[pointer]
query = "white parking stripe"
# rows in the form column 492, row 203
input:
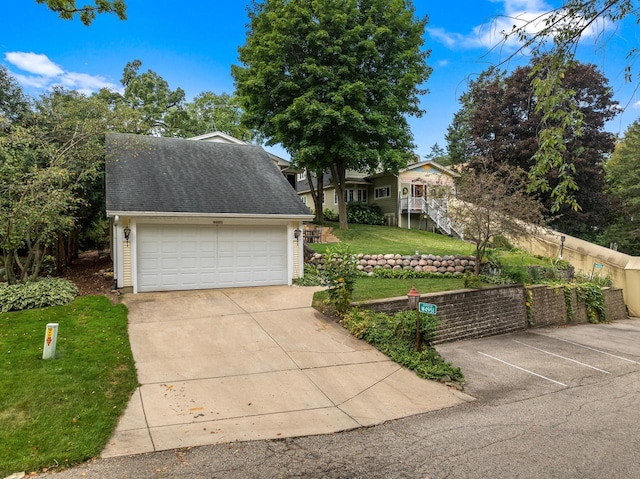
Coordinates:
column 562, row 357
column 598, row 351
column 522, row 369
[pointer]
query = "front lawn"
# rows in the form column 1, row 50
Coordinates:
column 368, row 288
column 370, row 239
column 62, row 411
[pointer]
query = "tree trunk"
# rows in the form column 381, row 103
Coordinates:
column 338, row 174
column 317, row 192
column 9, row 267
column 61, row 260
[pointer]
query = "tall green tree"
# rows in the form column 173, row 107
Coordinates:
column 209, row 112
column 159, row 110
column 555, row 37
column 438, row 154
column 68, row 9
column 75, row 124
column 623, row 179
column 14, row 105
column 333, row 81
column 500, row 121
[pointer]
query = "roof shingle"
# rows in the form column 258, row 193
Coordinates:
column 155, row 174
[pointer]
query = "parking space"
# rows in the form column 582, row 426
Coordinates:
column 535, row 362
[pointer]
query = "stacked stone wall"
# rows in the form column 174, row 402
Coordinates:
column 420, row 263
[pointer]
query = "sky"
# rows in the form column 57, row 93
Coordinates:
column 193, row 44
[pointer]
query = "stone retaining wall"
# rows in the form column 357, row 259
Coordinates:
column 476, row 313
column 425, row 262
column 549, row 307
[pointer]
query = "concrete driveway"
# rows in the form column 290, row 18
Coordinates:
column 244, row 364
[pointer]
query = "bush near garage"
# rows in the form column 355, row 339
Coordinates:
column 36, row 294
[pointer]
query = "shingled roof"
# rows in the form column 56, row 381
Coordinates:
column 170, row 175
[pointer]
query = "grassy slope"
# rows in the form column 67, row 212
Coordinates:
column 62, row 411
column 383, row 239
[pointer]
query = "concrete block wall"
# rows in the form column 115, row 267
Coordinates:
column 476, row 313
column 468, row 313
column 550, row 307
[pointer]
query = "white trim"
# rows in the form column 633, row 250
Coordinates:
column 173, row 215
column 289, row 252
column 219, row 134
column 134, row 255
column 119, row 254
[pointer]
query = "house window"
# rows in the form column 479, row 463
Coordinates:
column 302, row 176
column 304, row 200
column 382, row 192
column 348, row 195
column 351, row 195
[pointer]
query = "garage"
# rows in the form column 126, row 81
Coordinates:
column 182, row 257
column 190, row 214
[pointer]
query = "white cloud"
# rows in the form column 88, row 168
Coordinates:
column 86, row 82
column 443, row 63
column 514, row 14
column 636, row 105
column 34, row 63
column 32, row 81
column 45, row 74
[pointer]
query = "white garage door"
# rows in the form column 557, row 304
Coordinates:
column 180, row 257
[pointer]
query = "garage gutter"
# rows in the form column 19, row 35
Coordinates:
column 157, row 214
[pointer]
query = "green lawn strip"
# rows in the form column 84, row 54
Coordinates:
column 394, row 335
column 370, row 239
column 62, row 411
column 368, row 288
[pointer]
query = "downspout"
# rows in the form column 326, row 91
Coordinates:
column 114, row 251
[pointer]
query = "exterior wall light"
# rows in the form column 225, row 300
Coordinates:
column 127, row 233
column 296, row 234
column 562, row 238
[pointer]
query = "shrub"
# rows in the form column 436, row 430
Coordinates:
column 379, row 272
column 36, row 294
column 395, row 337
column 363, row 213
column 330, row 215
column 340, row 274
column 311, row 276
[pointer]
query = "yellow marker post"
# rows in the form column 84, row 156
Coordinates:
column 50, row 340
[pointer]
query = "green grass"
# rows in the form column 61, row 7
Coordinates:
column 376, row 288
column 62, row 411
column 370, row 239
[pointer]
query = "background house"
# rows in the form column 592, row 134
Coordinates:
column 413, row 198
column 200, row 214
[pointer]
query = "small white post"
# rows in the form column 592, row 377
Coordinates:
column 50, row 340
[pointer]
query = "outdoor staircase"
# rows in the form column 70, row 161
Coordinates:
column 438, row 210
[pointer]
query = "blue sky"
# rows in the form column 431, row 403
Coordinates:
column 193, row 44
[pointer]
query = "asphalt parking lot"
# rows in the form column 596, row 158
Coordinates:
column 512, row 367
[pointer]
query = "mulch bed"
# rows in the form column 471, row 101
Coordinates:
column 92, row 273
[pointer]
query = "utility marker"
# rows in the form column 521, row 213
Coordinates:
column 50, row 340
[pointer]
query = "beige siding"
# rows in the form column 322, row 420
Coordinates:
column 297, row 269
column 126, row 264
